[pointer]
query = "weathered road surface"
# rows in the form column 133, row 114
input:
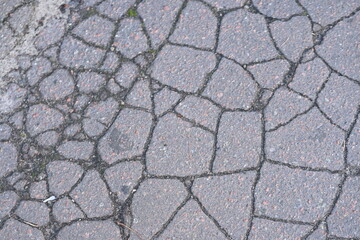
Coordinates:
column 172, row 119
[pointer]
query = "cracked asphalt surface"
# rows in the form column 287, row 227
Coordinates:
column 180, row 119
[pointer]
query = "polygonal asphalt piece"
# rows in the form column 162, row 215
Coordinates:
column 8, row 200
column 293, row 36
column 270, row 74
column 5, row 132
column 277, row 8
column 123, row 177
column 39, row 67
column 199, row 110
column 94, row 230
column 126, row 74
column 239, row 141
column 191, row 223
column 225, row 4
column 339, row 48
column 102, row 111
column 41, row 118
column 294, row 194
column 326, row 12
column 165, row 99
column 65, row 210
column 344, row 220
column 57, row 86
column 283, row 106
column 48, row 36
column 140, row 95
column 95, row 30
column 340, row 100
column 88, row 82
column 17, row 120
column 38, row 190
column 79, row 150
column 62, row 175
column 48, row 139
column 7, row 7
column 113, row 87
column 114, row 8
column 227, row 199
column 34, row 212
column 11, row 97
column 8, row 39
column 182, row 67
column 111, row 62
column 130, row 39
column 154, row 203
column 178, row 148
column 92, row 196
column 77, row 54
column 319, row 234
column 196, row 26
column 231, row 86
column 309, row 77
column 127, row 136
column 13, row 229
column 263, row 229
column 158, row 16
column 309, row 140
column 92, row 127
column 353, row 157
column 8, row 158
column 255, row 44
column 20, row 19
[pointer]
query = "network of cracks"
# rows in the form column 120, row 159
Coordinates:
column 205, row 119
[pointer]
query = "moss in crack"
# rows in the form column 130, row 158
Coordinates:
column 132, row 13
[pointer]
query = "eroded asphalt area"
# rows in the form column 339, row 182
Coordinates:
column 156, row 119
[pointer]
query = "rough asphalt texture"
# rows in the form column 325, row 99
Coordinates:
column 177, row 119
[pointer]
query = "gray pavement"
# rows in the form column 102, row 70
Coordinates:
column 179, row 119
